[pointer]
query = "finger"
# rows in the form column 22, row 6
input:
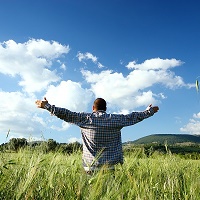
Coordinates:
column 45, row 99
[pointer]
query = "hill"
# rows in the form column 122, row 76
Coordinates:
column 170, row 139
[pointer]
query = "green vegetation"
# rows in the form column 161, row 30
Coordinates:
column 49, row 170
column 183, row 151
column 27, row 174
column 16, row 144
column 170, row 139
column 183, row 145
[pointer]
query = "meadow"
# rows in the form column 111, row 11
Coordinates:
column 55, row 176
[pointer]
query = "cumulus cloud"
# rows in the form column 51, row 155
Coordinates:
column 86, row 56
column 155, row 64
column 82, row 57
column 69, row 94
column 18, row 114
column 31, row 62
column 64, row 127
column 156, row 71
column 193, row 126
column 132, row 91
column 197, row 115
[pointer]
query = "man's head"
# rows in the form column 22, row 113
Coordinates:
column 99, row 104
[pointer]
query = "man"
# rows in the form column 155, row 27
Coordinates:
column 101, row 132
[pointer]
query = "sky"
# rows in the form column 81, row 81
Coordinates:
column 131, row 53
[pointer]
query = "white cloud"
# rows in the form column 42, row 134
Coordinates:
column 74, row 139
column 193, row 126
column 99, row 65
column 64, row 127
column 39, row 120
column 88, row 56
column 19, row 114
column 118, row 90
column 133, row 90
column 155, row 64
column 31, row 62
column 144, row 98
column 70, row 95
column 197, row 115
column 155, row 71
column 63, row 66
column 45, row 49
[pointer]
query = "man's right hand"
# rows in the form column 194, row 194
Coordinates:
column 155, row 108
column 40, row 103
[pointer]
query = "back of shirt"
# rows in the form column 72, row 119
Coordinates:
column 101, row 134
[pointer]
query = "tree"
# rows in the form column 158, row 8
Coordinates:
column 51, row 145
column 17, row 143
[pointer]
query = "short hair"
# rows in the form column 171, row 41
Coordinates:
column 100, row 104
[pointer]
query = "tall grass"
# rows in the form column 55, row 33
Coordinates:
column 26, row 175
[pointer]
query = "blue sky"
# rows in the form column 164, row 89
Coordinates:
column 132, row 53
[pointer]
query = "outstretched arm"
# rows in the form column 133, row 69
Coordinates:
column 135, row 117
column 62, row 113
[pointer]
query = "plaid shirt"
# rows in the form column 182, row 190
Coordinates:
column 101, row 133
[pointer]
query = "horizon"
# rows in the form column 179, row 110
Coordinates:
column 160, row 134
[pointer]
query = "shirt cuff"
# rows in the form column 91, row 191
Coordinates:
column 47, row 106
column 50, row 108
column 151, row 111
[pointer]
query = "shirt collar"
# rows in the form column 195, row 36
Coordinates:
column 100, row 111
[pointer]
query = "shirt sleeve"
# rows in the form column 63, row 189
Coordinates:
column 65, row 114
column 135, row 117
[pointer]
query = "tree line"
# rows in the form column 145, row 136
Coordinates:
column 16, row 144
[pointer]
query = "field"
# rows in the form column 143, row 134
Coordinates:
column 54, row 176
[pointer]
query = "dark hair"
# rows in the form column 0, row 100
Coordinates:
column 100, row 104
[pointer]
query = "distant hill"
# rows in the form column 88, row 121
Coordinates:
column 170, row 139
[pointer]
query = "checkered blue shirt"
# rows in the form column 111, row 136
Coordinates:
column 101, row 133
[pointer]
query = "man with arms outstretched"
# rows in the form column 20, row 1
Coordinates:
column 101, row 132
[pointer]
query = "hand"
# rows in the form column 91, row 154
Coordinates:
column 155, row 108
column 40, row 103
